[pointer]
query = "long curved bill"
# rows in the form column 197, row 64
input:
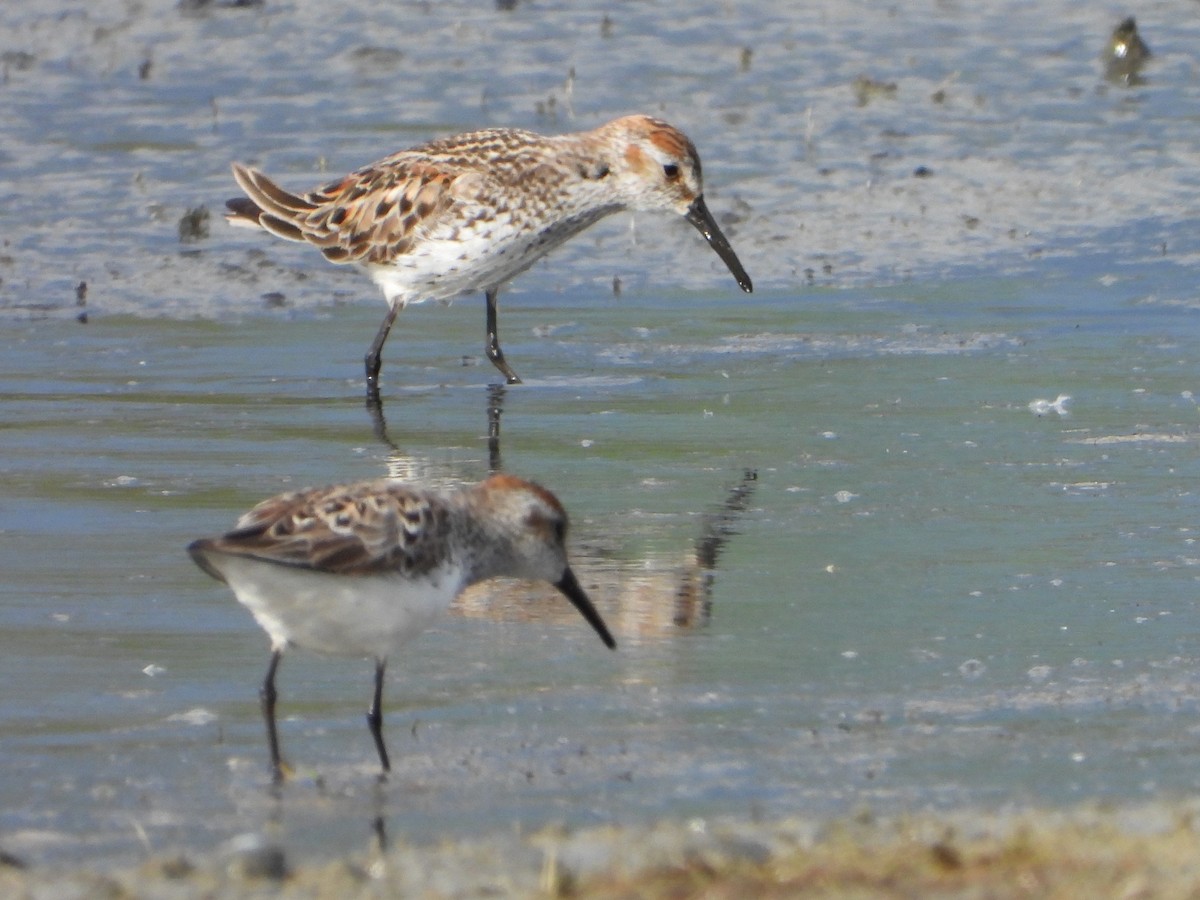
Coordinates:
column 703, row 222
column 573, row 592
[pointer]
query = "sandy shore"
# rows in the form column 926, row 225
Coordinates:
column 1094, row 851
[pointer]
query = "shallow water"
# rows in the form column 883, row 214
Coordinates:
column 928, row 597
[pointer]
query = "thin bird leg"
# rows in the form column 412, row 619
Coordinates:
column 375, row 716
column 494, row 353
column 267, row 697
column 373, row 360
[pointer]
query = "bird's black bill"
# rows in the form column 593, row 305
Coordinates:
column 703, row 222
column 573, row 592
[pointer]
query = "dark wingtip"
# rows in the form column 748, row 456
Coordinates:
column 198, row 551
column 243, row 208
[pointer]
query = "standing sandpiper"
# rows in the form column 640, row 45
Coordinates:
column 473, row 211
column 360, row 569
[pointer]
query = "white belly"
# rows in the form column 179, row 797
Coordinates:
column 450, row 262
column 338, row 614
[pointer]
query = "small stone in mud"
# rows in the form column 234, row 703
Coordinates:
column 922, row 172
column 274, row 300
column 946, row 856
column 1125, row 53
column 173, row 868
column 371, row 57
column 866, row 89
column 17, row 59
column 252, row 857
column 203, row 5
column 193, row 225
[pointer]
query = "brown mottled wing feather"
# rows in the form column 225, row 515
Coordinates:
column 370, row 216
column 265, row 204
column 375, row 214
column 365, row 529
column 242, row 210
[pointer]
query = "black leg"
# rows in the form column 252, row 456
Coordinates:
column 494, row 353
column 267, row 697
column 373, row 359
column 375, row 716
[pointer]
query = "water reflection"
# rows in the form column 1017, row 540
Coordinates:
column 378, row 420
column 420, row 468
column 652, row 595
column 495, row 407
column 649, row 596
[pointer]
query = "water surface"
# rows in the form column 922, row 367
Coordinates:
column 928, row 597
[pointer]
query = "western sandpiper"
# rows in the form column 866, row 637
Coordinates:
column 360, row 569
column 471, row 212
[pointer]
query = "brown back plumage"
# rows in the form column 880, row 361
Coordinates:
column 370, row 216
column 362, row 529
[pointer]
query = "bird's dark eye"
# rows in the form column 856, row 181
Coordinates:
column 671, row 170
